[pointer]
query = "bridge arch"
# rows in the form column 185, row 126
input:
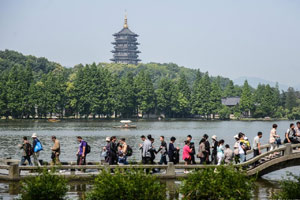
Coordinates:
column 276, row 164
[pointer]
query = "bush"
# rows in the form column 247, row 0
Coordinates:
column 223, row 183
column 290, row 188
column 46, row 186
column 131, row 184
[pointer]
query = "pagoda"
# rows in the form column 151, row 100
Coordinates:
column 125, row 46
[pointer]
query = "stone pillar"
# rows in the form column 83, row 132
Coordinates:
column 171, row 169
column 288, row 150
column 14, row 172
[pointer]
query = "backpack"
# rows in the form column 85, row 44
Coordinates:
column 88, row 148
column 28, row 149
column 38, row 147
column 129, row 151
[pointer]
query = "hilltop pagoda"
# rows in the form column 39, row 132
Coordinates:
column 125, row 46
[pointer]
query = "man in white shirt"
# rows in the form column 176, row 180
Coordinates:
column 256, row 145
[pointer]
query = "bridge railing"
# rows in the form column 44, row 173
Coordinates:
column 14, row 170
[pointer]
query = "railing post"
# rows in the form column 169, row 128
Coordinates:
column 171, row 169
column 288, row 149
column 14, row 172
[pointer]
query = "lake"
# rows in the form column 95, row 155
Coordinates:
column 95, row 132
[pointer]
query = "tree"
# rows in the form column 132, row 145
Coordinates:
column 268, row 102
column 215, row 98
column 246, row 103
column 183, row 96
column 145, row 92
column 127, row 96
column 229, row 90
column 17, row 90
column 291, row 99
column 201, row 97
column 3, row 102
column 164, row 96
column 196, row 104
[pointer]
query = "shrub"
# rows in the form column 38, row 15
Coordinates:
column 129, row 184
column 46, row 186
column 222, row 183
column 289, row 188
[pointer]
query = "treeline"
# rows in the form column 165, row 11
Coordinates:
column 94, row 90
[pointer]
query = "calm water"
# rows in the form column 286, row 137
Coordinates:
column 95, row 132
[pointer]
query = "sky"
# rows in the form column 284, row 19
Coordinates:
column 230, row 38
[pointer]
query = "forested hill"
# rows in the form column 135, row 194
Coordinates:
column 156, row 71
column 9, row 58
column 35, row 87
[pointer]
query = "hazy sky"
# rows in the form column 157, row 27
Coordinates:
column 228, row 38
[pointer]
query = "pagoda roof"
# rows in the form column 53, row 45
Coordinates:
column 125, row 31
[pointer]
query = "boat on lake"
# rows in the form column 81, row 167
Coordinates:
column 53, row 119
column 126, row 124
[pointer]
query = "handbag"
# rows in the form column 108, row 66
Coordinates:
column 38, row 147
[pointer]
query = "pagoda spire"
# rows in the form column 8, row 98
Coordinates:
column 125, row 21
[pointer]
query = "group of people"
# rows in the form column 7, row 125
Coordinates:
column 214, row 152
column 34, row 150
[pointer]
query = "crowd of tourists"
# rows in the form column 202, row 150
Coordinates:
column 209, row 152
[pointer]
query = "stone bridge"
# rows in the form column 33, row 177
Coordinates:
column 286, row 156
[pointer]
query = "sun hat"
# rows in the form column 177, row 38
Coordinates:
column 214, row 137
column 34, row 135
column 107, row 139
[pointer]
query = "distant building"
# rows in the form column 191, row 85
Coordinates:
column 231, row 101
column 125, row 46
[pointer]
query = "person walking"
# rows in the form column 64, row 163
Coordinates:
column 37, row 147
column 163, row 149
column 81, row 153
column 152, row 151
column 272, row 140
column 220, row 151
column 236, row 149
column 207, row 148
column 214, row 147
column 104, row 150
column 186, row 154
column 256, row 146
column 228, row 155
column 113, row 151
column 172, row 150
column 55, row 151
column 202, row 151
column 123, row 151
column 145, row 147
column 242, row 148
column 192, row 146
column 27, row 151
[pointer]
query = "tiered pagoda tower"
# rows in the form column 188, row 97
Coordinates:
column 125, row 46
